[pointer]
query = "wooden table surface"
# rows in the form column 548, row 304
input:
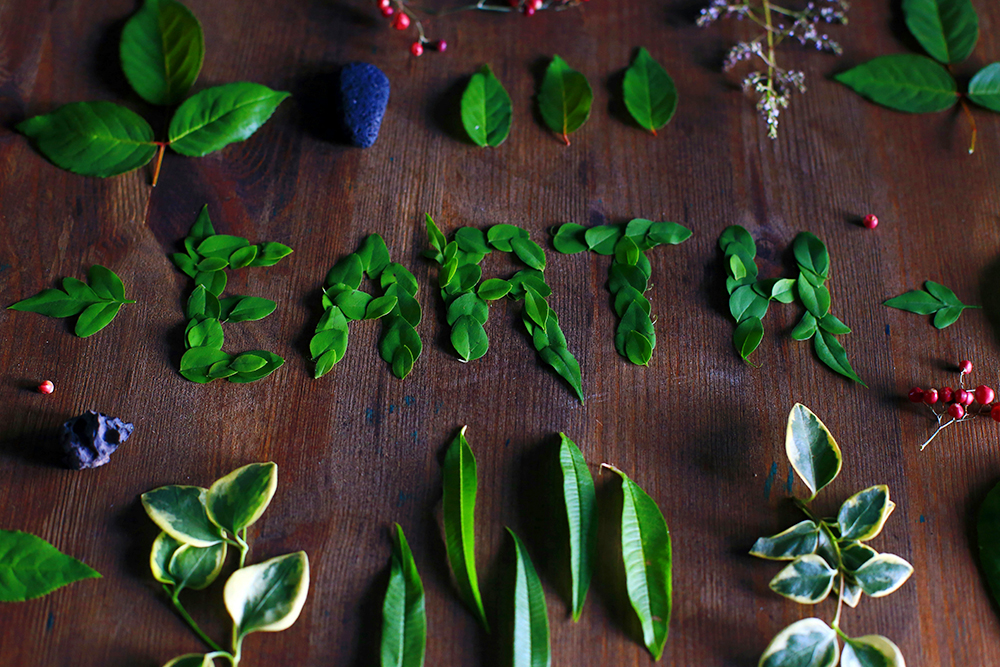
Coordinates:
column 700, row 431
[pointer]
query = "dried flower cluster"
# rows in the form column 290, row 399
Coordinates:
column 774, row 85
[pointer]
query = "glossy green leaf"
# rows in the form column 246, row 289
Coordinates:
column 635, row 320
column 238, row 499
column 946, row 317
column 162, row 50
column 905, row 82
column 916, row 301
column 493, row 289
column 941, row 292
column 486, row 109
column 529, row 252
column 832, row 324
column 815, row 299
column 807, row 580
column 536, row 308
column 468, row 304
column 569, row 239
column 947, row 29
column 649, row 92
column 832, row 353
column 564, row 99
column 531, row 621
column 883, row 574
column 196, row 567
column 243, row 257
column 647, row 555
column 602, row 239
column 404, row 619
column 30, row 567
column 434, row 236
column 806, row 643
column 469, row 338
column 871, row 651
column 735, row 234
column 747, row 336
column 51, row 303
column 988, row 540
column 245, row 308
column 500, row 236
column 212, row 264
column 92, row 138
column 380, row 307
column 562, row 361
column 806, row 327
column 626, row 251
column 268, row 596
column 580, row 500
column 353, row 303
column 984, row 88
column 164, row 547
column 269, row 254
column 811, row 449
column 180, row 511
column 811, row 254
column 95, row 317
column 80, row 290
column 272, row 362
column 105, row 283
column 214, row 118
column 638, row 348
column 197, row 362
column 402, row 362
column 221, row 246
column 459, row 507
column 397, row 335
column 799, row 540
column 862, row 516
column 213, row 281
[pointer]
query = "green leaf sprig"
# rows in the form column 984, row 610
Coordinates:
column 404, row 617
column 344, row 302
column 30, row 567
column 162, row 50
column 948, row 30
column 198, row 526
column 467, row 299
column 486, row 109
column 830, row 555
column 935, row 299
column 207, row 256
column 564, row 98
column 628, row 275
column 96, row 303
column 649, row 93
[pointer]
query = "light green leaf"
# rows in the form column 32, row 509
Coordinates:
column 799, row 540
column 268, row 596
column 569, row 239
column 243, row 257
column 404, row 619
column 238, row 499
column 51, row 303
column 531, row 621
column 196, row 567
column 883, row 574
column 649, row 92
column 269, row 254
column 580, row 500
column 806, row 643
column 984, row 88
column 735, row 234
column 811, row 449
column 469, row 338
column 536, row 308
column 946, row 317
column 95, row 317
column 486, row 109
column 529, row 252
column 214, row 118
column 197, row 362
column 272, row 362
column 905, row 82
column 493, row 289
column 500, row 236
column 807, row 580
column 871, row 651
column 162, row 50
column 30, row 567
column 180, row 512
column 806, row 327
column 245, row 308
column 947, row 29
column 564, row 99
column 602, row 239
column 747, row 336
column 468, row 304
column 862, row 516
column 221, row 246
column 638, row 348
column 832, row 324
column 434, row 236
column 562, row 361
column 380, row 307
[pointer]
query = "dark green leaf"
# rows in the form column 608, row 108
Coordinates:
column 469, row 338
column 374, row 255
column 603, row 238
column 564, row 99
column 493, row 289
column 871, row 651
column 623, row 276
column 634, row 320
column 649, row 92
column 883, row 574
column 30, row 567
column 947, row 316
column 245, row 308
column 799, row 540
column 162, row 50
column 916, row 301
column 92, row 138
column 95, row 317
column 214, row 118
column 806, row 327
column 529, row 252
column 580, row 501
column 811, row 449
column 569, row 238
column 404, row 619
column 268, row 596
column 747, row 336
column 947, row 29
column 735, row 234
column 984, row 88
column 468, row 304
column 195, row 567
column 531, row 621
column 854, row 555
column 185, row 264
column 486, row 109
column 831, row 352
column 862, row 516
column 905, row 82
column 811, row 254
column 806, row 643
column 562, row 361
column 806, row 580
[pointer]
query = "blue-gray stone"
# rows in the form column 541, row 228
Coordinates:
column 89, row 440
column 364, row 94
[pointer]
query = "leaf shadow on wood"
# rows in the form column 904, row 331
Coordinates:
column 40, row 448
column 498, row 650
column 616, row 99
column 107, row 57
column 897, row 26
column 608, row 583
column 445, row 112
column 316, row 94
column 538, row 68
column 369, row 614
column 311, row 303
column 989, row 297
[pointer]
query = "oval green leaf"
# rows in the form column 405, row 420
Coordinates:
column 493, row 289
column 811, row 449
column 219, row 116
column 238, row 499
column 564, row 99
column 272, row 362
column 799, row 540
column 486, row 109
column 569, row 238
column 268, row 596
column 984, row 88
column 649, row 92
column 528, row 252
column 807, row 580
column 580, row 501
column 245, row 308
column 947, row 29
column 196, row 567
column 905, row 82
column 404, row 619
column 883, row 574
column 862, row 516
column 806, row 643
column 180, row 512
column 915, row 301
column 531, row 621
column 747, row 337
column 163, row 550
column 30, row 567
column 871, row 651
column 162, row 50
column 469, row 338
column 95, row 317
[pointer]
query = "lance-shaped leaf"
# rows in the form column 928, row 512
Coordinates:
column 404, row 620
column 799, row 540
column 162, row 50
column 486, row 109
column 988, row 539
column 238, row 499
column 646, row 552
column 807, row 580
column 811, row 449
column 581, row 514
column 92, row 138
column 564, row 99
column 905, row 82
column 459, row 507
column 862, row 516
column 832, row 353
column 268, row 596
column 30, row 567
column 531, row 620
column 214, row 118
column 871, row 651
column 883, row 574
column 984, row 88
column 180, row 512
column 649, row 92
column 747, row 336
column 806, row 643
column 947, row 29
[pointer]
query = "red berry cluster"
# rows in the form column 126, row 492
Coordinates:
column 957, row 403
column 401, row 20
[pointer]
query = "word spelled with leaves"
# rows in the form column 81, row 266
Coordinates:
column 96, row 303
column 207, row 256
column 935, row 299
column 30, row 567
column 162, row 50
column 344, row 302
column 199, row 525
column 830, row 555
column 628, row 276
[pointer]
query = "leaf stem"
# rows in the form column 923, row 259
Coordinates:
column 159, row 161
column 972, row 123
column 182, row 612
column 805, row 509
column 840, row 605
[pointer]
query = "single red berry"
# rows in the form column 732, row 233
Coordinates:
column 388, row 11
column 870, row 221
column 417, row 48
column 995, row 413
column 984, row 395
column 965, row 367
column 916, row 395
column 384, row 3
column 964, row 397
column 440, row 46
column 529, row 10
column 46, row 387
column 946, row 395
column 401, row 22
column 956, row 411
column 537, row 4
column 930, row 396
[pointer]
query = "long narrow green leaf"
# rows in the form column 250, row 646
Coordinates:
column 531, row 620
column 646, row 552
column 404, row 619
column 581, row 514
column 459, row 505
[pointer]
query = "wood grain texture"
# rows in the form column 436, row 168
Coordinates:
column 700, row 431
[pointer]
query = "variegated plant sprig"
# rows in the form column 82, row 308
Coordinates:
column 774, row 85
column 628, row 275
column 199, row 525
column 344, row 302
column 207, row 256
column 830, row 555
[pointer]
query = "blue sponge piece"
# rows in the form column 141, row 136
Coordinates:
column 364, row 94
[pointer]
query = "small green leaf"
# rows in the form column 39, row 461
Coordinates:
column 245, row 308
column 238, row 499
column 354, row 303
column 746, row 303
column 943, row 293
column 536, row 308
column 811, row 254
column 398, row 334
column 947, row 316
column 862, row 516
column 222, row 369
column 811, row 449
column 486, row 109
column 735, row 234
column 806, row 580
column 638, row 349
column 668, row 233
column 30, row 567
column 216, row 117
column 469, row 338
column 984, row 88
column 493, row 289
column 197, row 362
column 806, row 327
column 529, row 252
column 799, row 540
column 500, row 236
column 562, row 361
column 213, row 281
column 602, row 239
column 380, row 307
column 747, row 336
column 434, row 235
column 626, row 251
column 459, row 506
column 92, row 138
column 79, row 290
column 783, row 290
column 180, row 512
column 531, row 621
column 402, row 362
column 569, row 239
column 162, row 50
column 272, row 362
column 564, row 99
column 832, row 324
column 883, row 574
column 815, row 299
column 95, row 317
column 105, row 283
column 916, row 301
column 404, row 619
column 854, row 555
column 649, row 92
column 580, row 501
column 212, row 264
column 832, row 353
column 947, row 29
column 806, row 643
column 269, row 254
column 243, row 257
column 470, row 304
column 196, row 567
column 871, row 651
column 221, row 246
column 904, row 82
column 268, row 596
column 163, row 550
